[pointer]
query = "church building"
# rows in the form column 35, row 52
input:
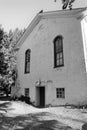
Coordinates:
column 52, row 59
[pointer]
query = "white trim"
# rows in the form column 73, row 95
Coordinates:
column 33, row 23
column 84, row 33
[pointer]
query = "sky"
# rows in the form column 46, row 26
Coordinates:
column 19, row 13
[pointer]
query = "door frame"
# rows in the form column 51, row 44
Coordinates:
column 40, row 97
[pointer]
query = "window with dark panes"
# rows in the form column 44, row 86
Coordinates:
column 27, row 61
column 58, row 52
column 27, row 92
column 60, row 92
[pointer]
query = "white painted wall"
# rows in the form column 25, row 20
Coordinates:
column 72, row 76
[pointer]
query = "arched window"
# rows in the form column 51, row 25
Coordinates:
column 58, row 51
column 27, row 61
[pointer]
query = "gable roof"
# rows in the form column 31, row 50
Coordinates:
column 78, row 12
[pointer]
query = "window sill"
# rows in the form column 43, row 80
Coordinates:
column 58, row 66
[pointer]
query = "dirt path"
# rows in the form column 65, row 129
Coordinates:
column 31, row 122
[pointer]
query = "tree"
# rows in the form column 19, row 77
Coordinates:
column 67, row 3
column 3, row 65
column 8, row 71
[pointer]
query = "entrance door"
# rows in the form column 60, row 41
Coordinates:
column 40, row 96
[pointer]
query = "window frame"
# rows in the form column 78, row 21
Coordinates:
column 27, row 61
column 26, row 93
column 58, row 42
column 60, row 93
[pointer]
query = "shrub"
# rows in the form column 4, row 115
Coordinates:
column 25, row 99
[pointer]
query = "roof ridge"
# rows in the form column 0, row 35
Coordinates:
column 67, row 10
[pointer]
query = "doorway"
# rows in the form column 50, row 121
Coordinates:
column 40, row 96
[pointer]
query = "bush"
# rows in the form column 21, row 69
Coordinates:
column 84, row 127
column 25, row 99
column 22, row 98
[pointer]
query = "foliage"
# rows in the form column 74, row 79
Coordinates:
column 8, row 71
column 3, row 65
column 67, row 4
